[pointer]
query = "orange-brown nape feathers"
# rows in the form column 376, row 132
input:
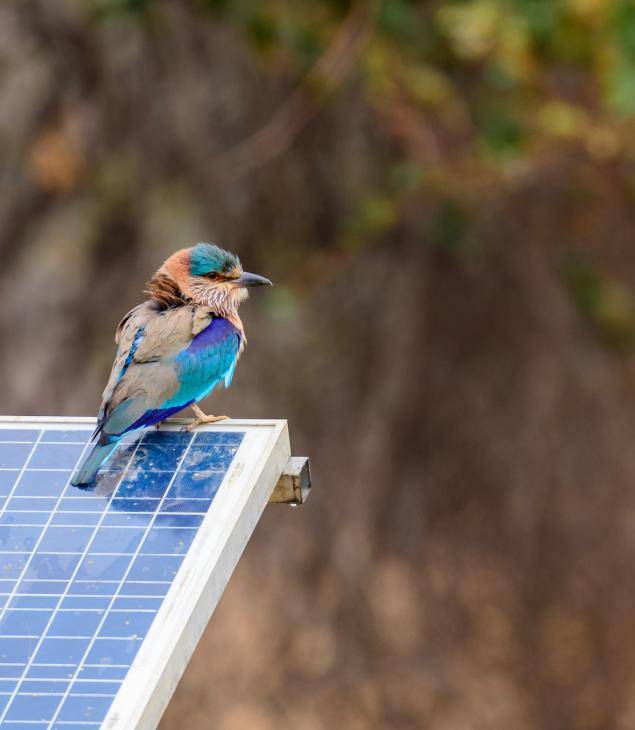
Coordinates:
column 170, row 285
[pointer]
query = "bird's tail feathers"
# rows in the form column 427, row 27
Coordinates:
column 92, row 463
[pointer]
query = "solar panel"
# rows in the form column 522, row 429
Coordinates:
column 105, row 592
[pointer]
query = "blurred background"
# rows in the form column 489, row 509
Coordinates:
column 443, row 194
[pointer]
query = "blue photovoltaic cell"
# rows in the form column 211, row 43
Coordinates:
column 83, row 573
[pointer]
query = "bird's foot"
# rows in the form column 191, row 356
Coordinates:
column 198, row 421
column 201, row 418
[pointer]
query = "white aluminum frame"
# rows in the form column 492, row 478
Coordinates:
column 206, row 568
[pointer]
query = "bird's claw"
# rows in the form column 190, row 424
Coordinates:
column 200, row 420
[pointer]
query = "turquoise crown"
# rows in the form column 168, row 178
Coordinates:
column 207, row 258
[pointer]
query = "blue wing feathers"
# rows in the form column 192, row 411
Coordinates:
column 155, row 415
column 133, row 348
column 206, row 362
column 217, row 333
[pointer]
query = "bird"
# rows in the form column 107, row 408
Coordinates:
column 174, row 348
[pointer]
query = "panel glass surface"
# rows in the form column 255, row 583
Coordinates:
column 84, row 572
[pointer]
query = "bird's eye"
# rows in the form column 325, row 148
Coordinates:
column 218, row 277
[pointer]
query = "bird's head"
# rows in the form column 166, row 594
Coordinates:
column 207, row 275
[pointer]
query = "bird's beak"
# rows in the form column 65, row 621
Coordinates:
column 247, row 279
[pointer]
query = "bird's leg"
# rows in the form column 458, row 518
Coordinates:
column 200, row 418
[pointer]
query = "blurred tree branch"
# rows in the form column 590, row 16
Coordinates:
column 304, row 103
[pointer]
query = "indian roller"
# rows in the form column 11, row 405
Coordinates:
column 175, row 348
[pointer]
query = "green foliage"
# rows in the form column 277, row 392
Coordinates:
column 504, row 59
column 500, row 132
column 624, row 28
column 607, row 303
column 373, row 215
column 461, row 94
column 542, row 17
column 450, row 230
